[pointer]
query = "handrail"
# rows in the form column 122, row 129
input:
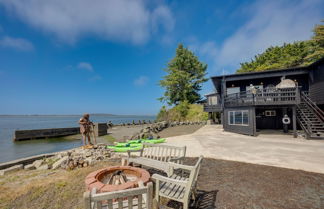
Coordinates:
column 308, row 122
column 303, row 127
column 310, row 103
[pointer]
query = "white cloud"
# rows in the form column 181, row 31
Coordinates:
column 162, row 16
column 69, row 20
column 95, row 78
column 85, row 66
column 16, row 43
column 272, row 23
column 141, row 81
column 207, row 49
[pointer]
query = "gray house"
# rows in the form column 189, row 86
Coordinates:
column 287, row 99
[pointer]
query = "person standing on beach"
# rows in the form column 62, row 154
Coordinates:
column 85, row 128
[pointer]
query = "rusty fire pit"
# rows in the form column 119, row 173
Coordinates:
column 116, row 178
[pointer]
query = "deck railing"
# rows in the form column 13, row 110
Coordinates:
column 266, row 96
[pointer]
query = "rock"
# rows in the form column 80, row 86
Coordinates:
column 43, row 167
column 29, row 167
column 38, row 163
column 64, row 154
column 59, row 163
column 89, row 160
column 11, row 169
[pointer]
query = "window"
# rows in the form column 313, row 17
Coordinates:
column 231, row 117
column 270, row 113
column 238, row 117
column 232, row 90
column 245, row 117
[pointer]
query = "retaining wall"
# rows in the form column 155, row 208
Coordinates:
column 44, row 133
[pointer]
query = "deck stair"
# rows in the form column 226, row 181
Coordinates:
column 310, row 117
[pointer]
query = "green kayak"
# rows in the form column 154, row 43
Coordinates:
column 133, row 144
column 125, row 148
column 154, row 141
column 127, row 144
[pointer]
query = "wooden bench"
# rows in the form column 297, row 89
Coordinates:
column 179, row 186
column 157, row 156
column 137, row 198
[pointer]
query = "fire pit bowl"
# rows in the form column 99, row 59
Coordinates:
column 116, row 178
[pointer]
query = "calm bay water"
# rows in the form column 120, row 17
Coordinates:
column 10, row 150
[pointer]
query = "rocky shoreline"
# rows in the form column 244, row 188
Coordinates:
column 85, row 156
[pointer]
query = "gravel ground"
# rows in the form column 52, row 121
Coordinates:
column 229, row 184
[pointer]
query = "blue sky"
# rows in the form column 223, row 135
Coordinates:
column 107, row 56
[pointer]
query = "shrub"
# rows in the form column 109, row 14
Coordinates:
column 183, row 112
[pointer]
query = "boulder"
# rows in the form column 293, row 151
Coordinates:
column 29, row 167
column 59, row 163
column 43, row 167
column 38, row 163
column 11, row 169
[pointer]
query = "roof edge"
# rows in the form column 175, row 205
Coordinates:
column 272, row 70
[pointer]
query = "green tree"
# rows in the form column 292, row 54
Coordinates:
column 289, row 55
column 184, row 79
column 318, row 39
column 163, row 114
column 319, row 34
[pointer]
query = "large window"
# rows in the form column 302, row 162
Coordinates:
column 240, row 117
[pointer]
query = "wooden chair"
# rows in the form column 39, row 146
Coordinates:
column 137, row 198
column 177, row 186
column 157, row 156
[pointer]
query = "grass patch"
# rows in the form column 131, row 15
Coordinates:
column 63, row 189
column 109, row 139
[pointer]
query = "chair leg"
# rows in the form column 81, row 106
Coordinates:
column 155, row 204
column 185, row 204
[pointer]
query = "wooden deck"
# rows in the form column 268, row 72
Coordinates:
column 267, row 96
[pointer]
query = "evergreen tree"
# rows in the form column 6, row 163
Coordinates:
column 184, row 79
column 289, row 55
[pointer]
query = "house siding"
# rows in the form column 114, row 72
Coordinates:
column 317, row 86
column 247, row 129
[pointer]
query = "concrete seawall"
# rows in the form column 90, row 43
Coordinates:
column 100, row 129
column 21, row 135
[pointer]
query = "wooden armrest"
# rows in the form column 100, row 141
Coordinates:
column 176, row 159
column 184, row 167
column 158, row 177
column 130, row 151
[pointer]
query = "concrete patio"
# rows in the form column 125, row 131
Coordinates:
column 267, row 149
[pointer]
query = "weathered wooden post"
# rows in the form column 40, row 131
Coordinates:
column 100, row 129
column 294, row 121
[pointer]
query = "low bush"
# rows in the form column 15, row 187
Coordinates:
column 183, row 112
